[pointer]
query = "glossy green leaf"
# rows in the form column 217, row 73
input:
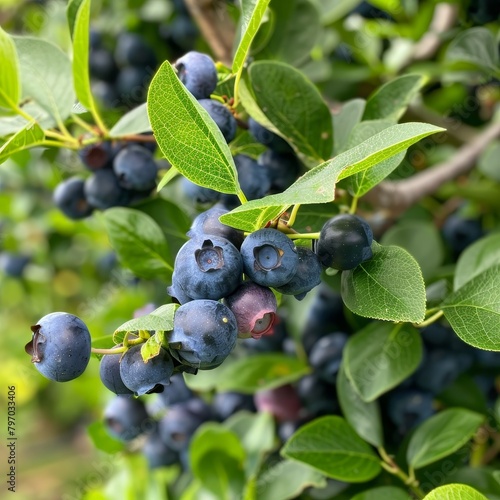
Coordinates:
column 363, row 417
column 383, row 493
column 389, row 286
column 488, row 161
column 28, row 137
column 455, row 492
column 476, row 258
column 46, row 76
column 330, row 445
column 102, row 440
column 10, row 84
column 390, row 101
column 287, row 479
column 380, row 357
column 71, row 13
column 245, row 144
column 318, row 185
column 252, row 12
column 344, row 121
column 139, row 243
column 187, row 135
column 135, row 121
column 441, row 435
column 161, row 319
column 152, row 346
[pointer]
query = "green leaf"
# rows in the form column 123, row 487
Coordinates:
column 455, row 492
column 10, row 84
column 389, row 286
column 389, row 102
column 330, row 445
column 318, row 185
column 102, row 440
column 333, row 10
column 363, row 417
column 488, row 161
column 305, row 122
column 287, row 479
column 245, row 144
column 46, row 76
column 159, row 320
column 30, row 136
column 383, row 493
column 12, row 124
column 217, row 460
column 152, row 346
column 139, row 242
column 135, row 121
column 409, row 234
column 476, row 46
column 252, row 12
column 380, row 357
column 473, row 310
column 71, row 13
column 187, row 135
column 344, row 121
column 476, row 258
column 441, row 435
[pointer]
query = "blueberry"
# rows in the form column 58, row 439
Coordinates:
column 270, row 139
column 176, row 291
column 145, row 377
column 132, row 85
column 208, row 268
column 269, row 257
column 102, row 190
column 268, row 343
column 198, row 73
column 13, row 265
column 135, row 168
column 221, row 115
column 180, row 34
column 126, row 418
column 326, row 355
column 282, row 402
column 208, row 223
column 109, row 371
column 283, row 168
column 176, row 392
column 105, row 94
column 69, row 197
column 157, row 453
column 199, row 194
column 344, row 242
column 226, row 404
column 437, row 334
column 132, row 50
column 368, row 11
column 96, row 156
column 318, row 396
column 102, row 65
column 459, row 233
column 205, row 332
column 439, row 369
column 307, row 277
column 254, row 308
column 60, row 347
column 408, row 408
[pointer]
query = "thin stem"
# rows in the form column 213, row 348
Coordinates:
column 242, row 197
column 354, row 205
column 57, row 144
column 236, row 86
column 84, row 124
column 293, row 215
column 23, row 113
column 135, row 138
column 62, row 137
column 114, row 350
column 429, row 320
column 98, row 120
column 304, row 236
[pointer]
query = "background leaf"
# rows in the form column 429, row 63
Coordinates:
column 383, row 493
column 488, row 161
column 187, row 136
column 161, row 319
column 455, row 492
column 27, row 137
column 135, row 121
column 10, row 85
column 349, row 116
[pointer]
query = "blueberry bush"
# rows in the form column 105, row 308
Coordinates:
column 259, row 240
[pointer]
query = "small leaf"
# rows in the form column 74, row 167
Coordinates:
column 389, row 286
column 380, row 357
column 71, row 13
column 10, row 84
column 102, row 440
column 245, row 144
column 151, row 348
column 455, row 492
column 441, row 435
column 383, row 493
column 488, row 161
column 331, row 446
column 187, row 135
column 252, row 12
column 135, row 121
column 389, row 102
column 344, row 122
column 161, row 319
column 363, row 417
column 139, row 242
column 333, row 10
column 30, row 136
column 473, row 310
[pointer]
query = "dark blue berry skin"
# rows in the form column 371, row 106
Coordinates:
column 109, row 371
column 60, row 347
column 132, row 85
column 318, row 396
column 437, row 335
column 102, row 65
column 143, row 378
column 135, row 168
column 198, row 73
column 126, row 418
column 459, row 233
column 208, row 268
column 344, row 242
column 181, row 421
column 199, row 194
column 96, row 156
column 132, row 50
column 226, row 404
column 106, row 94
column 268, row 343
column 102, row 190
column 13, row 265
column 269, row 257
column 180, row 34
column 157, row 453
column 283, row 169
column 69, row 197
column 409, row 408
column 439, row 369
column 307, row 277
column 326, row 355
column 176, row 291
column 221, row 115
column 175, row 393
column 270, row 139
column 205, row 332
column 208, row 223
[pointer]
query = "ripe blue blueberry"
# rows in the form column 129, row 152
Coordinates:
column 438, row 370
column 459, row 232
column 204, row 334
column 408, row 408
column 269, row 257
column 102, row 190
column 267, row 137
column 283, row 168
column 176, row 392
column 208, row 268
column 132, row 50
column 198, row 73
column 69, row 197
column 13, row 265
column 318, row 396
column 135, row 168
column 102, row 65
column 126, row 418
column 109, row 372
column 199, row 194
column 226, row 404
column 157, row 453
column 96, row 156
column 326, row 355
column 344, row 242
column 60, row 347
column 141, row 377
column 132, row 85
column 221, row 115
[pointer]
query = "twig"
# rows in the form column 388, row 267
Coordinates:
column 397, row 196
column 216, row 26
